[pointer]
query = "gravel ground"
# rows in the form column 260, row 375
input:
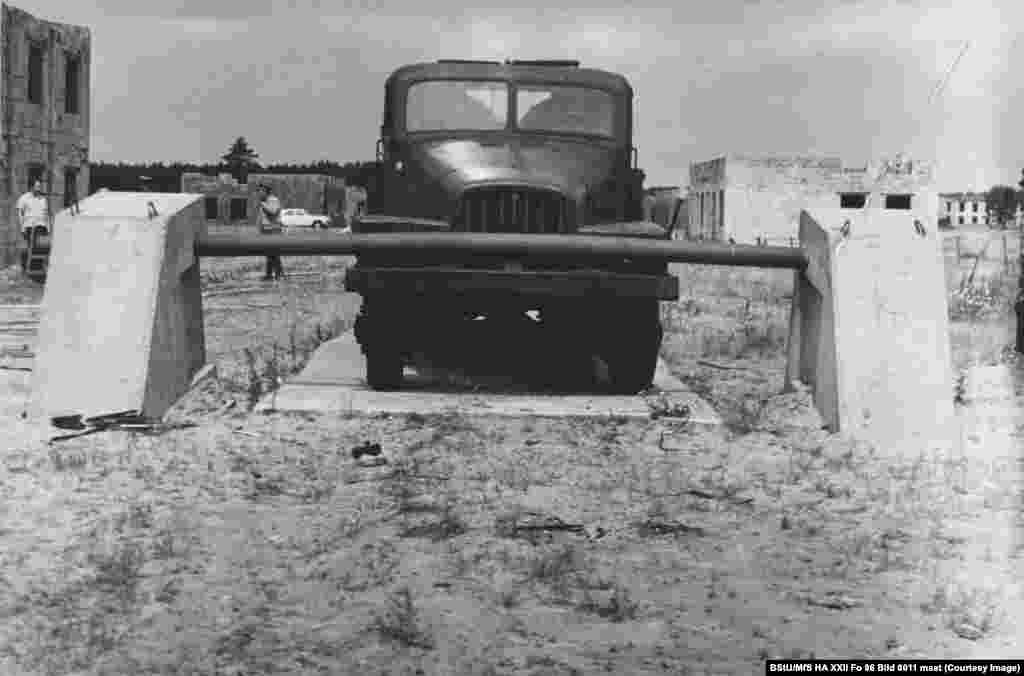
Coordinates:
column 259, row 544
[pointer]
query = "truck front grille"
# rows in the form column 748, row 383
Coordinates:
column 513, row 210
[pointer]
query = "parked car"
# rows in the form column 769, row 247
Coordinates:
column 300, row 218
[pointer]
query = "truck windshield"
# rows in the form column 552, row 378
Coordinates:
column 482, row 105
column 565, row 109
column 439, row 105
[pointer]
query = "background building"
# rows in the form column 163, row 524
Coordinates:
column 666, row 206
column 957, row 209
column 230, row 202
column 750, row 198
column 44, row 99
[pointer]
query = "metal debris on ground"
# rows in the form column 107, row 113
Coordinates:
column 833, row 600
column 968, row 631
column 128, row 421
column 722, row 367
column 708, row 495
column 529, row 523
column 658, row 527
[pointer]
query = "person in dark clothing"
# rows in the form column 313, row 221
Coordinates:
column 270, row 223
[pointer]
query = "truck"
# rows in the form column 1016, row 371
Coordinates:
column 538, row 150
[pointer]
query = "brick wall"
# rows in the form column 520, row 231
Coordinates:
column 41, row 134
column 319, row 194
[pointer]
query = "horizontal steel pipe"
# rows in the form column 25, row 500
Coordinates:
column 511, row 245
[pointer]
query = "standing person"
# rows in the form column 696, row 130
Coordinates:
column 33, row 215
column 270, row 223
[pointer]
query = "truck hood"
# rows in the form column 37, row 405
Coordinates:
column 571, row 167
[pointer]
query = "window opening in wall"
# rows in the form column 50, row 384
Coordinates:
column 961, row 206
column 897, row 201
column 721, row 210
column 974, row 219
column 974, row 206
column 961, row 219
column 239, row 208
column 36, row 172
column 70, row 186
column 72, row 83
column 713, row 217
column 212, row 208
column 852, row 200
column 35, row 73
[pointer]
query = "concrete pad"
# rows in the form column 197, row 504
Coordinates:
column 121, row 325
column 333, row 382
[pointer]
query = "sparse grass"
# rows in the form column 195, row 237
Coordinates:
column 971, row 612
column 556, row 564
column 141, row 587
column 401, row 622
column 728, row 312
column 615, row 604
column 267, row 368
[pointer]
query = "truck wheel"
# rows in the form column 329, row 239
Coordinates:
column 383, row 369
column 631, row 355
column 373, row 331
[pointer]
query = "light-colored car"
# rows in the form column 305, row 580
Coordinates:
column 300, row 218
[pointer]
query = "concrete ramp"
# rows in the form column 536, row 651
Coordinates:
column 334, row 382
column 870, row 327
column 121, row 325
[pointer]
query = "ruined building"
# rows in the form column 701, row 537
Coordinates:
column 760, row 198
column 229, row 202
column 666, row 206
column 44, row 96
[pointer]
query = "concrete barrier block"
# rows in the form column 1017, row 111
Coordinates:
column 121, row 326
column 869, row 325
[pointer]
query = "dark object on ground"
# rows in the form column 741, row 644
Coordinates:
column 130, row 421
column 658, row 527
column 366, row 449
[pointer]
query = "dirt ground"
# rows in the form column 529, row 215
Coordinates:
column 258, row 544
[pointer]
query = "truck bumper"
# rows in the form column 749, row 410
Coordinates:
column 540, row 284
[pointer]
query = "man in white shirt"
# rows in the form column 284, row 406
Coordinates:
column 33, row 214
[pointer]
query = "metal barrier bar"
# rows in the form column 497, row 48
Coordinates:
column 500, row 244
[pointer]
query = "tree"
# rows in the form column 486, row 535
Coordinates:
column 240, row 158
column 1001, row 202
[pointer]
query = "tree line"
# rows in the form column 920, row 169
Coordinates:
column 240, row 160
column 161, row 177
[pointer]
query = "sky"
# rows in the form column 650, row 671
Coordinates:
column 302, row 80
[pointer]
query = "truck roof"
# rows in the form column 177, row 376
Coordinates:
column 547, row 72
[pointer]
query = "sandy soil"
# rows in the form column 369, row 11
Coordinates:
column 259, row 544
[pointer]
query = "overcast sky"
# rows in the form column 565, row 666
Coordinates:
column 302, row 80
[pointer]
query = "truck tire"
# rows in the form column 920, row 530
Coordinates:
column 384, row 369
column 373, row 331
column 631, row 354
